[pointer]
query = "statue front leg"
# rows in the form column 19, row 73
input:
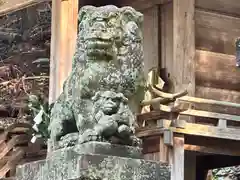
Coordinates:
column 86, row 129
column 126, row 134
column 62, row 123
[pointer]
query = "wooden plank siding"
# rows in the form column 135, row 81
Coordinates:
column 216, row 32
column 230, row 7
column 216, row 75
column 217, row 70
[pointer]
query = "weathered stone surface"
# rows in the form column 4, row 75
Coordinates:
column 103, row 148
column 70, row 166
column 227, row 173
column 106, row 85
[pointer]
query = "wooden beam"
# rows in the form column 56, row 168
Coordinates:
column 221, row 95
column 220, row 29
column 230, row 97
column 212, row 150
column 176, row 157
column 183, row 70
column 216, row 20
column 208, row 101
column 208, row 114
column 10, row 6
column 141, row 5
column 195, row 130
column 63, row 40
column 230, row 7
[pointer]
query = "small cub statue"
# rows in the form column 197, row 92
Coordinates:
column 102, row 94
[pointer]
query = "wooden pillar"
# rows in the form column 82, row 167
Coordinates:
column 63, row 40
column 166, row 45
column 176, row 158
column 151, row 38
column 150, row 46
column 184, row 45
column 178, row 45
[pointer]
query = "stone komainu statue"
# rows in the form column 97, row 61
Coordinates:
column 106, row 85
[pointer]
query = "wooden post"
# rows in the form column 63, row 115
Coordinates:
column 150, row 46
column 184, row 45
column 63, row 40
column 176, row 158
column 151, row 38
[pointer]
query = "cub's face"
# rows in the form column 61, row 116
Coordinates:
column 109, row 102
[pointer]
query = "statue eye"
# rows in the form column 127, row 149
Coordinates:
column 81, row 26
column 112, row 22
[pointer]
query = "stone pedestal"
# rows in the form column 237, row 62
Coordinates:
column 94, row 161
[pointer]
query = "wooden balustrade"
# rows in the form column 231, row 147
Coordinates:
column 15, row 148
column 174, row 107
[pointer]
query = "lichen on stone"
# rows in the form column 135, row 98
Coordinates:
column 102, row 94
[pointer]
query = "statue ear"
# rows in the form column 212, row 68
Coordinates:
column 122, row 97
column 96, row 96
column 130, row 14
column 83, row 11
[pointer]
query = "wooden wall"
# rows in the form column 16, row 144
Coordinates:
column 216, row 31
column 194, row 48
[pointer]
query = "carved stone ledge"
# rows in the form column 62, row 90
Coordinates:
column 72, row 164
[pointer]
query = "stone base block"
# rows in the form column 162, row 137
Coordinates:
column 103, row 148
column 71, row 165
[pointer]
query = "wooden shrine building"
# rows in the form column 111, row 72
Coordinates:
column 194, row 120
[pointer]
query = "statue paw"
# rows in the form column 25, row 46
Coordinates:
column 124, row 130
column 136, row 141
column 89, row 135
column 68, row 140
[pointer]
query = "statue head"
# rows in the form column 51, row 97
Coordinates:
column 106, row 32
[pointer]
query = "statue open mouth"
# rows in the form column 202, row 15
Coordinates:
column 99, row 47
column 98, row 43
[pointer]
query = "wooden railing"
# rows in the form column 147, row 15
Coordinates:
column 178, row 108
column 15, row 148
